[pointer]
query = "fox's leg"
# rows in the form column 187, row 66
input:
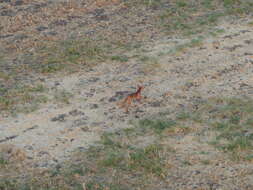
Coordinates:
column 128, row 104
column 122, row 103
column 138, row 98
column 126, row 109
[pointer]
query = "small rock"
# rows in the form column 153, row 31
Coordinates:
column 17, row 3
column 28, row 147
column 42, row 153
column 33, row 8
column 102, row 99
column 98, row 12
column 248, row 53
column 89, row 94
column 93, row 79
column 41, row 28
column 113, row 99
column 31, row 128
column 71, row 17
column 8, row 138
column 6, row 36
column 91, row 32
column 44, row 164
column 59, row 23
column 5, row 1
column 82, row 149
column 79, row 122
column 156, row 104
column 243, row 85
column 60, row 118
column 57, row 83
column 233, row 48
column 42, row 79
column 123, row 79
column 76, row 113
column 248, row 41
column 85, row 129
column 245, row 31
column 119, row 95
column 51, row 33
column 93, row 106
column 138, row 110
column 92, row 90
column 96, row 124
column 20, row 37
column 102, row 18
column 7, row 12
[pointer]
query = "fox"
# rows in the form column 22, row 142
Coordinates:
column 129, row 99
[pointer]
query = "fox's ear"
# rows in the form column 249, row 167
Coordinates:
column 140, row 86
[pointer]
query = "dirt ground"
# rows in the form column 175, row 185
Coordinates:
column 176, row 72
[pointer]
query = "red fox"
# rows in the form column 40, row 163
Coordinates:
column 128, row 100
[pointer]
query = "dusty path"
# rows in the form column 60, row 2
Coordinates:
column 50, row 134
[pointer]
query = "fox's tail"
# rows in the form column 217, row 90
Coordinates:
column 122, row 103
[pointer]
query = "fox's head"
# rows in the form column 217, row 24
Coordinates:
column 140, row 87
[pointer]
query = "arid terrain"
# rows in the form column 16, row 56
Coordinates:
column 65, row 66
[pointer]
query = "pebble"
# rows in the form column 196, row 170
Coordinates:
column 7, row 12
column 60, row 118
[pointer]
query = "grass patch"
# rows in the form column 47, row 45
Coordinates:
column 149, row 64
column 112, row 159
column 120, row 58
column 250, row 23
column 195, row 42
column 186, row 163
column 205, row 162
column 183, row 116
column 217, row 32
column 4, row 76
column 179, row 17
column 232, row 119
column 3, row 161
column 62, row 96
column 68, row 54
column 181, row 3
column 118, row 161
column 196, row 17
column 22, row 98
column 158, row 126
column 147, row 159
column 124, row 160
column 147, row 3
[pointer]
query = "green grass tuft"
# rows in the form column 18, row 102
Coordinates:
column 157, row 125
column 120, row 58
column 22, row 98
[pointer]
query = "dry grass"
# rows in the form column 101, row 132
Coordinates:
column 46, row 55
column 231, row 118
column 24, row 98
column 124, row 159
